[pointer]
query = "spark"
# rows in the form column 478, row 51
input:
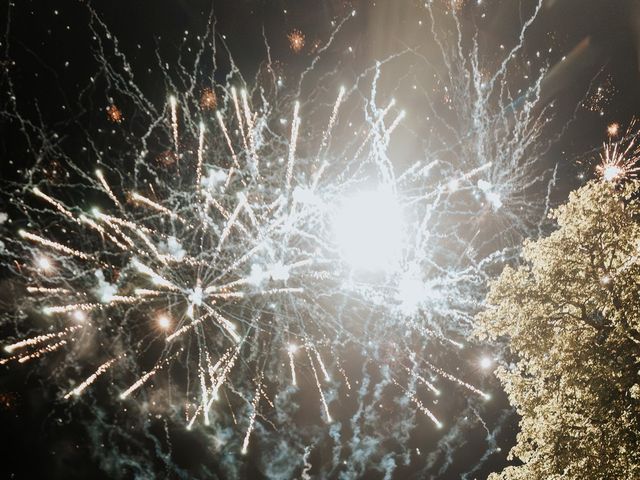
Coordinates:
column 292, row 350
column 54, row 245
column 321, row 363
column 332, row 119
column 424, row 381
column 295, row 125
column 252, row 417
column 188, row 327
column 107, row 188
column 90, row 379
column 425, row 410
column 61, row 208
column 144, row 378
column 227, row 138
column 173, row 103
column 200, row 154
column 455, row 379
column 40, row 339
column 236, row 104
column 44, row 350
column 250, row 127
column 328, row 418
column 75, row 307
column 47, row 290
column 416, row 401
column 156, row 206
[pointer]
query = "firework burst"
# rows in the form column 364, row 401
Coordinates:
column 242, row 245
column 619, row 158
column 114, row 114
column 296, row 40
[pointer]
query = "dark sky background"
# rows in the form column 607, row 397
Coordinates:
column 47, row 53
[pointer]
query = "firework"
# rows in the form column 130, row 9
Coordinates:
column 296, row 40
column 600, row 96
column 209, row 258
column 222, row 250
column 208, row 99
column 241, row 255
column 619, row 158
column 114, row 114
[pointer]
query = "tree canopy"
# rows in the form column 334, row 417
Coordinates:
column 570, row 314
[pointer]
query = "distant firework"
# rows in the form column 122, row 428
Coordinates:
column 296, row 41
column 208, row 99
column 619, row 158
column 600, row 96
column 114, row 114
column 613, row 129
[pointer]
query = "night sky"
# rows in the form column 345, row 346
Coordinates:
column 47, row 56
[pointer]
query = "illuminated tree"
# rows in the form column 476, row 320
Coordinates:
column 571, row 316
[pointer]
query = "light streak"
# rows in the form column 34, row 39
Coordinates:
column 173, row 103
column 292, row 350
column 150, row 203
column 295, row 125
column 90, row 379
column 61, row 208
column 40, row 339
column 145, row 378
column 107, row 188
column 328, row 418
column 200, row 154
column 42, row 351
column 54, row 245
column 252, row 417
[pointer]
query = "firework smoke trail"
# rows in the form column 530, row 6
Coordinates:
column 237, row 254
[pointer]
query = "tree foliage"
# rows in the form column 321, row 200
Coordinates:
column 571, row 316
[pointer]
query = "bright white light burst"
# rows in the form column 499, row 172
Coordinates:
column 369, row 230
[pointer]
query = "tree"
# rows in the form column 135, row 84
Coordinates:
column 571, row 316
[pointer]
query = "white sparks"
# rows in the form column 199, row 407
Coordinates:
column 90, row 379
